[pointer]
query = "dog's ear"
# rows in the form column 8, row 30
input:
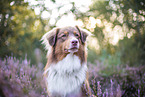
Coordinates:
column 50, row 37
column 52, row 40
column 83, row 33
column 53, row 36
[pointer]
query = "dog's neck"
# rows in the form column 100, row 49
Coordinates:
column 69, row 64
column 66, row 75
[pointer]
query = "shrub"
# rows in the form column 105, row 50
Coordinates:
column 19, row 79
column 121, row 82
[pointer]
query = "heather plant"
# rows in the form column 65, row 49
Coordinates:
column 122, row 82
column 19, row 79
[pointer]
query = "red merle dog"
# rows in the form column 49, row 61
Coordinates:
column 66, row 70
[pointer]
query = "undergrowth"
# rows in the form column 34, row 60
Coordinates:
column 20, row 79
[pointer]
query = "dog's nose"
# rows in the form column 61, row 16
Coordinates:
column 74, row 42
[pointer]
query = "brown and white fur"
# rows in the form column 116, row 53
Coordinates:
column 66, row 69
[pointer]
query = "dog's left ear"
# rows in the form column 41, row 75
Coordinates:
column 83, row 33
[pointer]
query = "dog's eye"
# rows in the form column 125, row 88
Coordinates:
column 63, row 35
column 77, row 35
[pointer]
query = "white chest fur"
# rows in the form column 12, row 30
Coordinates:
column 66, row 76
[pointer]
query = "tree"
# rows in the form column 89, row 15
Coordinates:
column 7, row 12
column 20, row 29
column 128, row 15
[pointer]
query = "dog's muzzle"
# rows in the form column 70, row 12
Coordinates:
column 73, row 45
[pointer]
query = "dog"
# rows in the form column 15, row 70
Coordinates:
column 66, row 71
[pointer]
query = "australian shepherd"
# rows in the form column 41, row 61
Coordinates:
column 66, row 71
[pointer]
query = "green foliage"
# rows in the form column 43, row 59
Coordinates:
column 131, row 13
column 7, row 13
column 110, row 59
column 21, row 30
column 132, row 50
column 107, row 57
column 92, row 55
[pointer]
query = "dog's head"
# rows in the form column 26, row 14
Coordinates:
column 67, row 39
column 61, row 41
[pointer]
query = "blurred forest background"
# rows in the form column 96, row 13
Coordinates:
column 116, row 51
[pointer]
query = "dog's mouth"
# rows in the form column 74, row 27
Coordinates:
column 73, row 49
